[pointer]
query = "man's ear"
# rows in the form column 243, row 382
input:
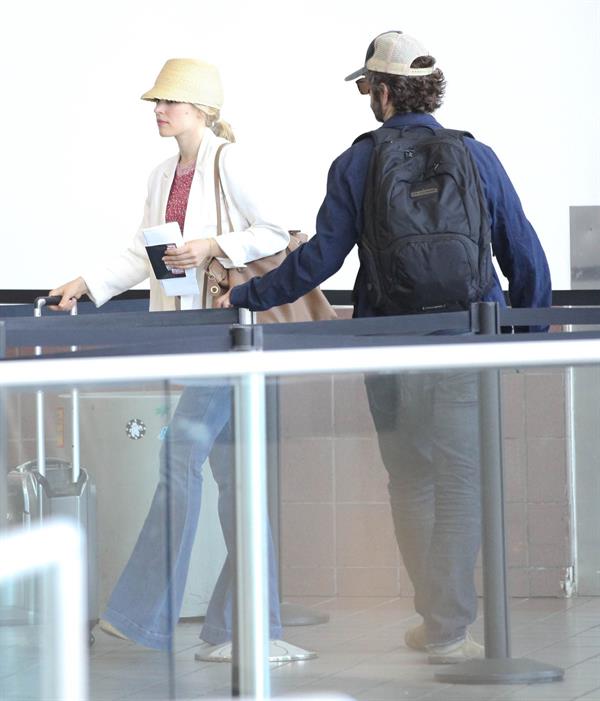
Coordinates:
column 384, row 93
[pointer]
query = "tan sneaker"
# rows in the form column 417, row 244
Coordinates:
column 458, row 651
column 416, row 637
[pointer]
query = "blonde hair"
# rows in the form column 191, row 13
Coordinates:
column 214, row 122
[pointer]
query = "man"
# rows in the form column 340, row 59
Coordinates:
column 427, row 425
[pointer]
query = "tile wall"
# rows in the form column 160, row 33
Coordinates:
column 336, row 527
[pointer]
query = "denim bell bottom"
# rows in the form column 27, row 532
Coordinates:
column 147, row 599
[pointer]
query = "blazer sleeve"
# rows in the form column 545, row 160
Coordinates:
column 255, row 234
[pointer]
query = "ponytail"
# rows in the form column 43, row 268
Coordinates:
column 223, row 129
column 214, row 122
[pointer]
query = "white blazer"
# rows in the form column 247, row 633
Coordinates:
column 253, row 235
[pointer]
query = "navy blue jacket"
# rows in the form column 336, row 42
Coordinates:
column 339, row 224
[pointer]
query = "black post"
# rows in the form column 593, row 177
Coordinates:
column 497, row 667
column 495, row 602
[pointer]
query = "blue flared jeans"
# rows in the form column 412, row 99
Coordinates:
column 146, row 601
column 428, row 432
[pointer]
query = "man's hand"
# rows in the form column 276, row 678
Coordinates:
column 223, row 302
column 193, row 254
column 69, row 293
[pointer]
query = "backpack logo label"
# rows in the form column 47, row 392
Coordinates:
column 424, row 192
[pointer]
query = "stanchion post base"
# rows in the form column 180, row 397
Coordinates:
column 298, row 615
column 500, row 671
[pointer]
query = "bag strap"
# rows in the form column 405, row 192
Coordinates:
column 218, row 190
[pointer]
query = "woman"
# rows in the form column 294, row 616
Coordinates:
column 188, row 97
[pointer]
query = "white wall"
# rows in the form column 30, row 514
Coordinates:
column 77, row 144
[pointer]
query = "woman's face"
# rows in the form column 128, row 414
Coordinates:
column 177, row 118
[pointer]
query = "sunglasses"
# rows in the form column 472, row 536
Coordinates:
column 363, row 86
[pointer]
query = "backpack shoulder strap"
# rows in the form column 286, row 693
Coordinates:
column 386, row 133
column 382, row 134
column 459, row 133
column 362, row 137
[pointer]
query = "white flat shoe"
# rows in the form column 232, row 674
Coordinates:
column 279, row 651
column 111, row 630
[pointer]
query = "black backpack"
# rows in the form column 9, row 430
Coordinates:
column 426, row 242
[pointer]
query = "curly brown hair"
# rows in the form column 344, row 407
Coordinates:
column 412, row 93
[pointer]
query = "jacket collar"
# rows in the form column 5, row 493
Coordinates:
column 206, row 150
column 408, row 119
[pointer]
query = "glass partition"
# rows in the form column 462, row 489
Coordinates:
column 43, row 632
column 354, row 459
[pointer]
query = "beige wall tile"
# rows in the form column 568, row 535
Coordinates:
column 547, row 470
column 305, row 406
column 517, row 546
column 359, row 473
column 351, row 408
column 308, row 581
column 548, row 524
column 306, row 469
column 406, row 587
column 513, row 404
column 545, row 582
column 545, row 406
column 368, row 581
column 514, row 456
column 307, row 535
column 555, row 555
column 518, row 581
column 365, row 536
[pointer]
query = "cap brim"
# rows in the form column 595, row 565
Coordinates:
column 356, row 74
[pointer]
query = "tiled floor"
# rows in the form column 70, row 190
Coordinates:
column 361, row 654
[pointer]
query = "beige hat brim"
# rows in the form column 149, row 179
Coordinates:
column 187, row 80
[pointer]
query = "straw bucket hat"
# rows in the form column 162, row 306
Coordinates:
column 188, row 80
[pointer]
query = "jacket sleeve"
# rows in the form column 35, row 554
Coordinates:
column 255, row 234
column 515, row 243
column 321, row 256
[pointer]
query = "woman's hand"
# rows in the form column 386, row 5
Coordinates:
column 193, row 254
column 69, row 293
column 224, row 301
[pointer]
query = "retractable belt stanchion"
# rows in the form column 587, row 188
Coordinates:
column 497, row 667
column 250, row 671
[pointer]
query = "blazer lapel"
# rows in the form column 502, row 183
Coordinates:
column 196, row 215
